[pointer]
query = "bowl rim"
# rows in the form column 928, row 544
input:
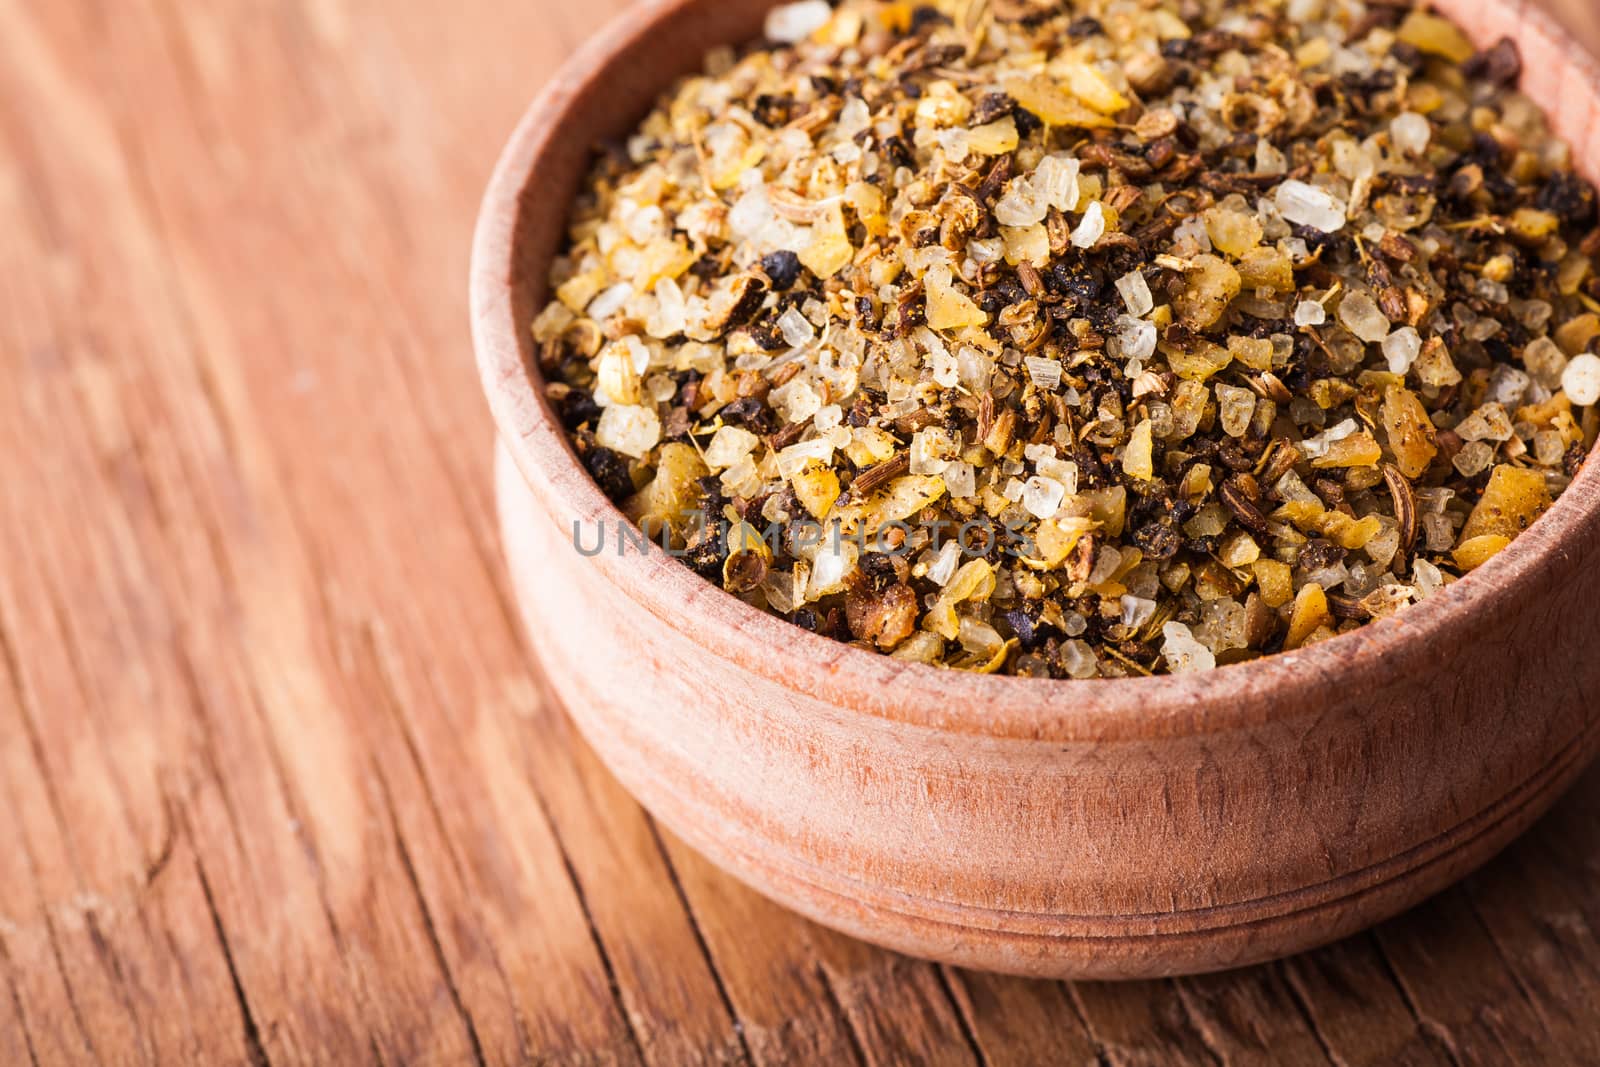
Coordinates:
column 1234, row 697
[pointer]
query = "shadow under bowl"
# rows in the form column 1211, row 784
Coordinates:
column 1094, row 829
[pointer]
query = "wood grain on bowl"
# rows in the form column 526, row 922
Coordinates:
column 1101, row 829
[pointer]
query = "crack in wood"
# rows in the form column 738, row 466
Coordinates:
column 948, row 977
column 700, row 938
column 9, row 968
column 1428, row 1026
column 427, row 918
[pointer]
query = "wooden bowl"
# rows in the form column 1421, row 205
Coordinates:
column 1094, row 829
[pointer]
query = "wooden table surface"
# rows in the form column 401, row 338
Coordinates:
column 278, row 782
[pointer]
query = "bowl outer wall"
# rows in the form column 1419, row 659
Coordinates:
column 1337, row 782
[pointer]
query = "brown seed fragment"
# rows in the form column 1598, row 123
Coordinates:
column 885, row 618
column 869, row 481
column 1243, row 507
column 1405, row 506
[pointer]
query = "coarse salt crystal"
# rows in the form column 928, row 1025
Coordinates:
column 1545, row 361
column 1060, row 470
column 1079, row 660
column 796, row 400
column 1319, row 445
column 1549, row 447
column 1410, row 132
column 1439, row 531
column 1092, row 228
column 960, row 479
column 834, row 562
column 944, row 563
column 796, row 329
column 954, row 143
column 1136, row 611
column 1362, row 317
column 1401, row 349
column 1489, row 423
column 1022, row 205
column 788, row 23
column 751, row 213
column 1106, row 562
column 1235, row 407
column 1045, row 373
column 1306, row 205
column 1136, row 336
column 1136, row 294
column 609, row 302
column 973, row 368
column 628, row 429
column 1183, row 652
column 1056, row 179
column 1581, row 380
column 1269, row 160
column 728, row 446
column 1310, row 313
column 1193, row 230
column 1426, row 578
column 798, row 456
column 1223, row 625
column 1507, row 385
column 1473, row 459
column 1042, row 496
column 931, row 451
column 854, row 118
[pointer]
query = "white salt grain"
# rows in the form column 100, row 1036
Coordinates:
column 1306, row 205
column 1361, row 316
column 1056, row 179
column 1235, row 406
column 1136, row 611
column 960, row 479
column 1401, row 349
column 609, row 302
column 1310, row 313
column 1545, row 361
column 1042, row 496
column 1183, row 652
column 788, row 23
column 1136, row 294
column 1507, row 385
column 1489, row 423
column 945, row 563
column 1022, row 204
column 728, row 446
column 1079, row 660
column 1092, row 228
column 628, row 429
column 796, row 329
column 1136, row 336
column 1045, row 373
column 1410, row 132
column 1581, row 380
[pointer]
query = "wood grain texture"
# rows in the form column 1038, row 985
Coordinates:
column 278, row 781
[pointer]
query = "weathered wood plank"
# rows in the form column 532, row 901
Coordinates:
column 1135, row 1024
column 899, row 1008
column 1359, row 1011
column 1250, row 1017
column 772, row 977
column 1015, row 1020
